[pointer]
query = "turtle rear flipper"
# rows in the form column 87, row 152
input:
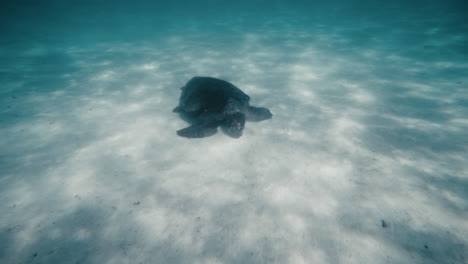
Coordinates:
column 198, row 130
column 256, row 114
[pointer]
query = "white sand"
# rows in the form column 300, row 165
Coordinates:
column 364, row 161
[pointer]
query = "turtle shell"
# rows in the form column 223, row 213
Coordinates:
column 207, row 94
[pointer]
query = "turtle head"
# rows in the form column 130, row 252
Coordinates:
column 233, row 124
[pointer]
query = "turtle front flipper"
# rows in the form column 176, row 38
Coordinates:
column 256, row 114
column 199, row 130
column 177, row 109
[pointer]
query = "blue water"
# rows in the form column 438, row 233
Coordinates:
column 364, row 161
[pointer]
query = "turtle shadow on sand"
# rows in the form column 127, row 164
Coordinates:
column 207, row 103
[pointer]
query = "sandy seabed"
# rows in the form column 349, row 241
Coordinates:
column 364, row 161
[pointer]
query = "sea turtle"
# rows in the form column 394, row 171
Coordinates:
column 207, row 103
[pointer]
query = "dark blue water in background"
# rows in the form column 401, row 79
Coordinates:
column 71, row 23
column 364, row 160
